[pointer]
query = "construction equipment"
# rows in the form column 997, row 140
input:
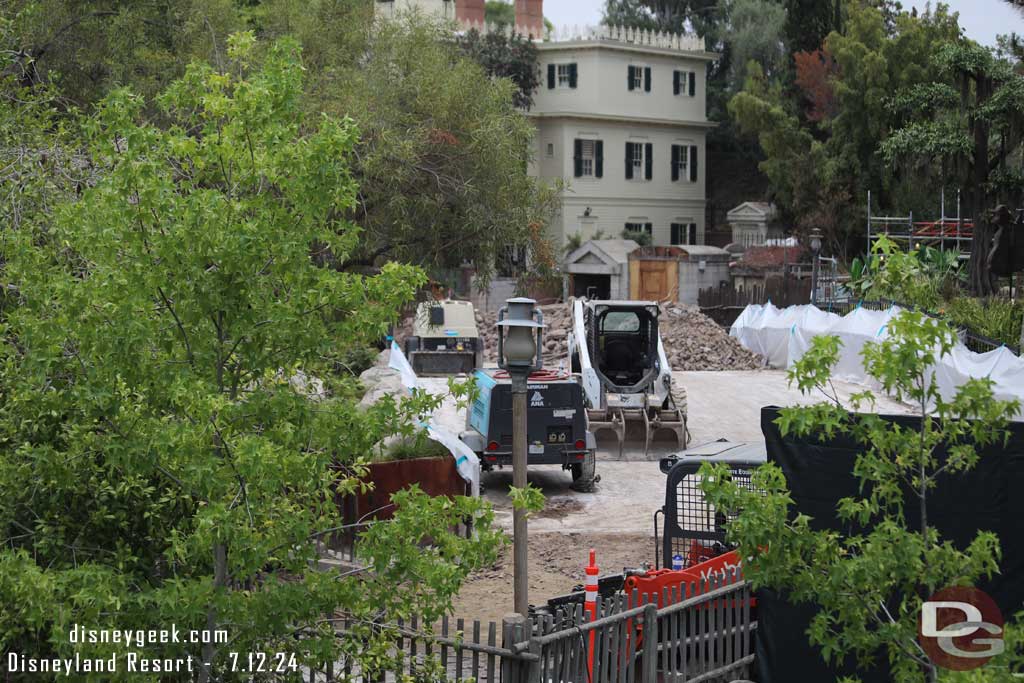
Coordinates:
column 444, row 339
column 616, row 349
column 692, row 544
column 557, row 431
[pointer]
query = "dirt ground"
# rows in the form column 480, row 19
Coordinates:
column 617, row 519
column 556, row 562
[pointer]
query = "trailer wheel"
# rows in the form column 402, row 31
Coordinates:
column 583, row 478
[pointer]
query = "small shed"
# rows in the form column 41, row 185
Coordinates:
column 598, row 269
column 676, row 273
column 753, row 223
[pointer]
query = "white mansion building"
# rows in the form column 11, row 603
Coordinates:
column 621, row 117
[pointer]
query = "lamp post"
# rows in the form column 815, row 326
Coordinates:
column 816, row 251
column 520, row 336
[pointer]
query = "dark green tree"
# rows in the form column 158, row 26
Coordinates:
column 967, row 126
column 808, row 22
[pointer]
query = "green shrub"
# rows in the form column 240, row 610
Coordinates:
column 640, row 237
column 997, row 319
column 409, row 449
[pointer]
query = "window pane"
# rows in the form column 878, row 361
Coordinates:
column 620, row 321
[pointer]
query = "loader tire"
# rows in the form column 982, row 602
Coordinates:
column 583, row 473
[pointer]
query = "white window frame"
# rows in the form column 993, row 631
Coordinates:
column 639, row 172
column 588, row 157
column 549, row 150
column 638, row 77
column 684, row 82
column 683, row 165
column 562, row 75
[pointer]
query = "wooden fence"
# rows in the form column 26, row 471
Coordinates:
column 724, row 304
column 704, row 638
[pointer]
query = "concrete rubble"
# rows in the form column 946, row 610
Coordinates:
column 692, row 340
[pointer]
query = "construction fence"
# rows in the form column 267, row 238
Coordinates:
column 697, row 632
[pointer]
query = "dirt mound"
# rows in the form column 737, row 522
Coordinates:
column 692, row 340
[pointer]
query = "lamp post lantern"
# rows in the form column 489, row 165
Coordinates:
column 816, row 251
column 520, row 337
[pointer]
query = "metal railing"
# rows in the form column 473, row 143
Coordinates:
column 694, row 632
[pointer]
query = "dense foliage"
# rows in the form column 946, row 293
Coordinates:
column 166, row 455
column 934, row 281
column 869, row 581
column 442, row 158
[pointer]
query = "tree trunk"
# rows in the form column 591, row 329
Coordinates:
column 220, row 580
column 981, row 244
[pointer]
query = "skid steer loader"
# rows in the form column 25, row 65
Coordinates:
column 616, row 352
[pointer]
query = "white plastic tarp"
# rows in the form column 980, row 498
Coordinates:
column 1005, row 369
column 783, row 336
column 466, row 461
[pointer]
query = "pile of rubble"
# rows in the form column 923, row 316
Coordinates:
column 692, row 340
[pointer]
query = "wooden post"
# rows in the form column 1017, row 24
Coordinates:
column 520, row 583
column 513, row 628
column 648, row 658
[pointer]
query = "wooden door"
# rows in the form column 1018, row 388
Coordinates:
column 654, row 280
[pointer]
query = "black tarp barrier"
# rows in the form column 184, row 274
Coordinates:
column 989, row 497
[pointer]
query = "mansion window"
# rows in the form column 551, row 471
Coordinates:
column 683, row 233
column 639, row 160
column 562, row 76
column 638, row 77
column 684, row 163
column 632, row 226
column 684, row 83
column 588, row 158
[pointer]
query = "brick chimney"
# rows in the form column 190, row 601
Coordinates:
column 530, row 17
column 469, row 11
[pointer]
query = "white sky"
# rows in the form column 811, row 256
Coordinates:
column 981, row 19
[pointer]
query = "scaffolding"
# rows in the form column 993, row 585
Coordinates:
column 947, row 232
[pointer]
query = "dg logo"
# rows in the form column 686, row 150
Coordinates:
column 961, row 628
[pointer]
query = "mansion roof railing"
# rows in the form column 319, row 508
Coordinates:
column 614, row 34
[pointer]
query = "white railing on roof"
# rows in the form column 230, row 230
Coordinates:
column 621, row 34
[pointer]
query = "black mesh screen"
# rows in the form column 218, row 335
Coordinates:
column 693, row 528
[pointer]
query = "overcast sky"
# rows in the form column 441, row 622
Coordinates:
column 982, row 19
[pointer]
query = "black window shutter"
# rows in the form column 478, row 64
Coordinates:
column 572, row 75
column 629, row 161
column 629, row 77
column 648, row 160
column 675, row 82
column 674, row 236
column 598, row 158
column 693, row 84
column 693, row 234
column 551, row 76
column 577, row 158
column 647, row 79
column 675, row 162
column 649, row 228
column 693, row 163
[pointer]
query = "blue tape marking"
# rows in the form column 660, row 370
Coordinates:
column 461, row 459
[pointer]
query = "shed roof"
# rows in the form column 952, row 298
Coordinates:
column 611, row 252
column 752, row 211
column 678, row 252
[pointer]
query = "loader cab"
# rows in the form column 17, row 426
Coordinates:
column 625, row 345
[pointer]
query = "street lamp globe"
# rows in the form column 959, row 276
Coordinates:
column 518, row 336
column 816, row 240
